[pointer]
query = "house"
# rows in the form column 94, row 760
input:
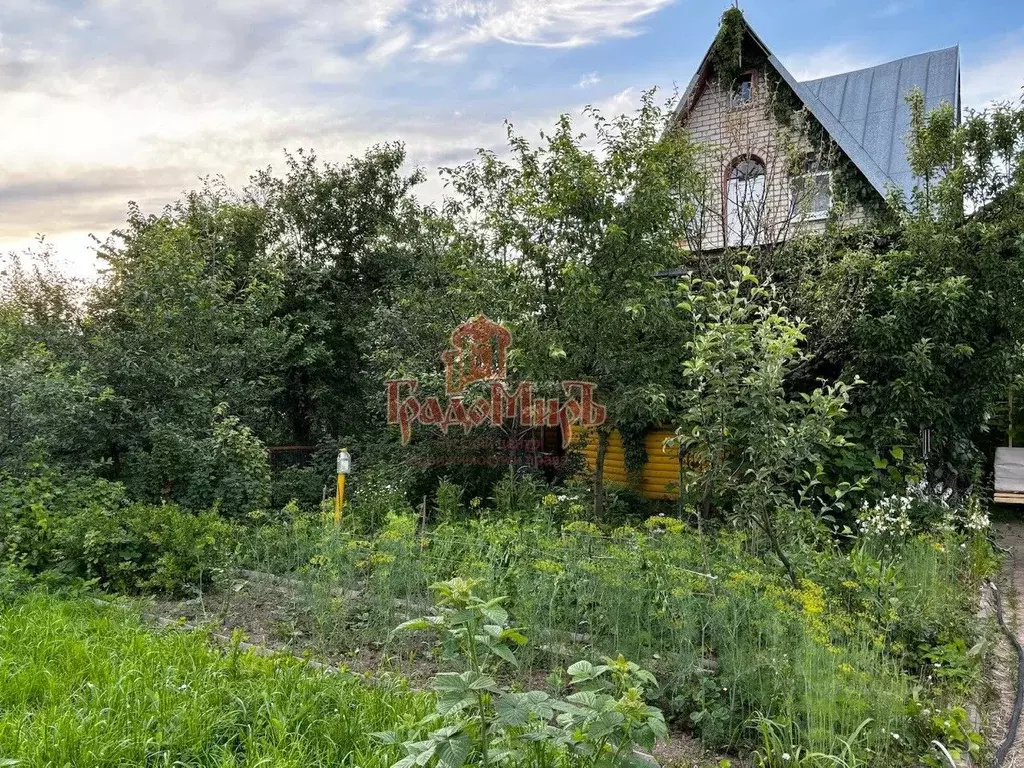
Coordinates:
column 782, row 156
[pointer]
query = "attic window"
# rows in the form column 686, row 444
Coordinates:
column 811, row 196
column 743, row 92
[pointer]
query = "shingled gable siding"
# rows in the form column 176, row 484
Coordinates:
column 728, row 132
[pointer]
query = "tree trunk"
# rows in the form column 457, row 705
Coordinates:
column 602, row 450
column 769, row 528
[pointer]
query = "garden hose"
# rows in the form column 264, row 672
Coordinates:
column 1018, row 701
column 941, row 749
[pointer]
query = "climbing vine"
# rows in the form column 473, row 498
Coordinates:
column 727, row 50
column 849, row 184
column 732, row 55
column 634, row 451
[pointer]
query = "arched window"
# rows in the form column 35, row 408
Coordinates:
column 744, row 201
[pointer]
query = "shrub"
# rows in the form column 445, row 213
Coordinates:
column 142, row 547
column 479, row 721
column 224, row 464
column 302, row 484
column 87, row 527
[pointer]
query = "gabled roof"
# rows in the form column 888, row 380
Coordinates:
column 864, row 111
column 871, row 106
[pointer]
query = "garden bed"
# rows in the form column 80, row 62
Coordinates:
column 268, row 611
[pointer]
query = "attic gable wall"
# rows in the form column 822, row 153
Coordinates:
column 727, row 133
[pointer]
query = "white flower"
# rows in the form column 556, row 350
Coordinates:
column 785, row 756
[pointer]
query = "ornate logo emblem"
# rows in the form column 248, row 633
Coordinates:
column 479, row 353
column 479, row 348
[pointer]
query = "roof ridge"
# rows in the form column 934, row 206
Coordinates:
column 882, row 64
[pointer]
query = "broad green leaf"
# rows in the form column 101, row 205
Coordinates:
column 516, row 709
column 413, row 625
column 580, row 668
column 495, row 614
column 515, row 636
column 449, row 681
column 453, row 751
column 587, row 699
column 505, row 653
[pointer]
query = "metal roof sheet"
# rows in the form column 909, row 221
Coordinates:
column 869, row 106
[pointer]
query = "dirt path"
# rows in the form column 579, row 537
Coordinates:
column 1002, row 662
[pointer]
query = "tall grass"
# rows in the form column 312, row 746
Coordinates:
column 88, row 686
column 727, row 644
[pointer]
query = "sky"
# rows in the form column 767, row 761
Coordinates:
column 103, row 102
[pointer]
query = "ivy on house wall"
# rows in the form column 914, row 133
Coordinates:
column 727, row 50
column 634, row 451
column 735, row 52
column 850, row 186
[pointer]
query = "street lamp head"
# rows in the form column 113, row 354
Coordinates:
column 344, row 462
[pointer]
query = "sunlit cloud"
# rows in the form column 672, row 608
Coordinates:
column 824, row 62
column 117, row 100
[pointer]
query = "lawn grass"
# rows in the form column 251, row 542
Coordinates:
column 83, row 685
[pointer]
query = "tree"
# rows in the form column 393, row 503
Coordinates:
column 184, row 320
column 51, row 403
column 340, row 235
column 927, row 310
column 757, row 450
column 573, row 234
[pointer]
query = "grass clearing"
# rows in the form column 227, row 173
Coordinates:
column 87, row 686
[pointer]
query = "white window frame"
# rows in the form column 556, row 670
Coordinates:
column 801, row 215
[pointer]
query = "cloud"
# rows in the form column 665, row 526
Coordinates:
column 545, row 23
column 117, row 100
column 996, row 75
column 388, row 47
column 588, row 80
column 832, row 60
column 893, row 8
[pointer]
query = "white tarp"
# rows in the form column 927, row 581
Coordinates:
column 1009, row 470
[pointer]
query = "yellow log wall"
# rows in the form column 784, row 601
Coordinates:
column 661, row 469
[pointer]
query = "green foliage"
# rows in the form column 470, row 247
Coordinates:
column 727, row 633
column 516, row 493
column 238, row 320
column 483, row 723
column 727, row 49
column 782, row 747
column 756, row 451
column 89, row 529
column 214, row 331
column 563, row 242
column 447, row 502
column 376, row 494
column 926, row 309
column 87, row 685
column 50, row 406
column 228, row 466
